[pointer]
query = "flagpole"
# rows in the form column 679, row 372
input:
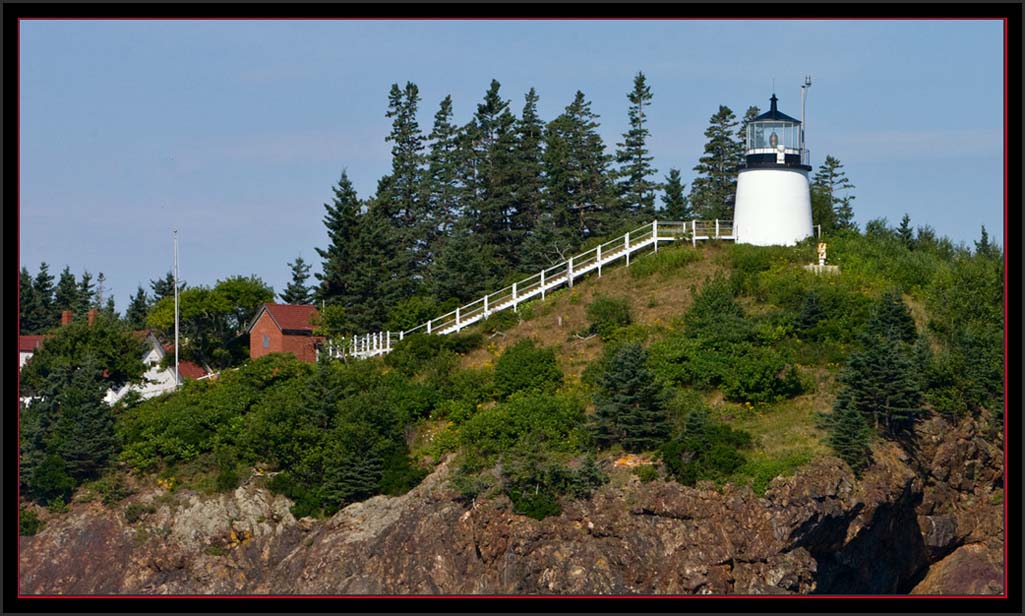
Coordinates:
column 177, row 378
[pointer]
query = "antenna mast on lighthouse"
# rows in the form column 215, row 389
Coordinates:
column 177, row 378
column 804, row 92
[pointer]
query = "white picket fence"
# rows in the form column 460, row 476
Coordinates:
column 538, row 285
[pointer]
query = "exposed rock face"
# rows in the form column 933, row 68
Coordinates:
column 818, row 532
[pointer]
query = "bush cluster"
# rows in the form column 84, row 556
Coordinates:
column 525, row 367
column 608, row 314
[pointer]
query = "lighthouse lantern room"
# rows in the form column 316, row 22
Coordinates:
column 773, row 203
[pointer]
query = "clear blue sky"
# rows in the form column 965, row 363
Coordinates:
column 235, row 131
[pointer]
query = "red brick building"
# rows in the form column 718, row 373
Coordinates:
column 284, row 328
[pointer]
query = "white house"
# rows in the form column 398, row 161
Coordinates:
column 157, row 380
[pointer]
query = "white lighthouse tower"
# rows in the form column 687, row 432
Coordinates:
column 773, row 204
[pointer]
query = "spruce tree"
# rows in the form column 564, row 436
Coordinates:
column 297, row 291
column 377, row 280
column 751, row 113
column 138, row 306
column 675, row 205
column 528, row 174
column 831, row 180
column 636, row 188
column 342, row 219
column 905, row 233
column 810, row 315
column 983, row 247
column 42, row 313
column 84, row 435
column 399, row 195
column 164, row 287
column 26, row 303
column 66, row 294
column 99, row 295
column 466, row 267
column 882, row 384
column 713, row 191
column 110, row 309
column 86, row 293
column 580, row 192
column 849, row 434
column 442, row 198
column 630, row 406
column 891, row 318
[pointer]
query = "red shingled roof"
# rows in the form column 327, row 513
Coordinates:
column 292, row 317
column 29, row 344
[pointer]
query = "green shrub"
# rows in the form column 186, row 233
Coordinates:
column 555, row 420
column 499, row 321
column 411, row 312
column 759, row 374
column 761, row 472
column 29, row 522
column 57, row 505
column 705, row 450
column 646, row 472
column 607, row 314
column 228, row 478
column 524, row 367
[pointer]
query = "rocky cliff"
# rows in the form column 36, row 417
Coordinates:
column 929, row 521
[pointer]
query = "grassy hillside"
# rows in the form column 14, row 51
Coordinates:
column 719, row 363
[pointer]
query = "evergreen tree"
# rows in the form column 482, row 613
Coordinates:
column 528, row 174
column 86, row 293
column 354, row 470
column 881, row 383
column 675, row 205
column 297, row 291
column 99, row 296
column 138, row 306
column 810, row 315
column 636, row 189
column 713, row 191
column 399, row 194
column 892, row 318
column 831, row 180
column 164, row 287
column 66, row 295
column 751, row 113
column 84, row 435
column 110, row 309
column 342, row 220
column 579, row 192
column 42, row 312
column 905, row 233
column 442, row 198
column 822, row 213
column 849, row 434
column 983, row 247
column 26, row 303
column 377, row 280
column 466, row 267
column 630, row 406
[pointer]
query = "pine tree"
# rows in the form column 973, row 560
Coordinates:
column 891, row 318
column 164, row 287
column 110, row 309
column 442, row 198
column 26, row 303
column 881, row 383
column 636, row 189
column 377, row 280
column 580, row 194
column 84, row 435
column 66, row 295
column 399, row 194
column 342, row 220
column 630, row 406
column 849, row 434
column 713, row 191
column 983, row 247
column 905, row 233
column 86, row 293
column 138, row 306
column 832, row 181
column 751, row 113
column 675, row 205
column 297, row 292
column 466, row 267
column 42, row 312
column 354, row 470
column 810, row 315
column 528, row 171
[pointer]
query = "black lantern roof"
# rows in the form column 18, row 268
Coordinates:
column 775, row 114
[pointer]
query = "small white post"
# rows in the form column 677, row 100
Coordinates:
column 428, row 327
column 654, row 233
column 387, row 340
column 516, row 300
column 599, row 260
column 694, row 232
column 457, row 318
column 569, row 271
column 542, row 284
column 402, row 334
column 716, row 228
column 485, row 306
column 626, row 246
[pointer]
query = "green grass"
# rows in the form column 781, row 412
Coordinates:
column 667, row 261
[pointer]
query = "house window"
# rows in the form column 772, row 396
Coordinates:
column 266, row 341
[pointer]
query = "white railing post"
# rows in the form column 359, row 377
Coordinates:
column 485, row 306
column 516, row 300
column 569, row 271
column 387, row 340
column 429, row 326
column 542, row 284
column 654, row 233
column 716, row 228
column 626, row 247
column 457, row 318
column 599, row 260
column 402, row 334
column 694, row 232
